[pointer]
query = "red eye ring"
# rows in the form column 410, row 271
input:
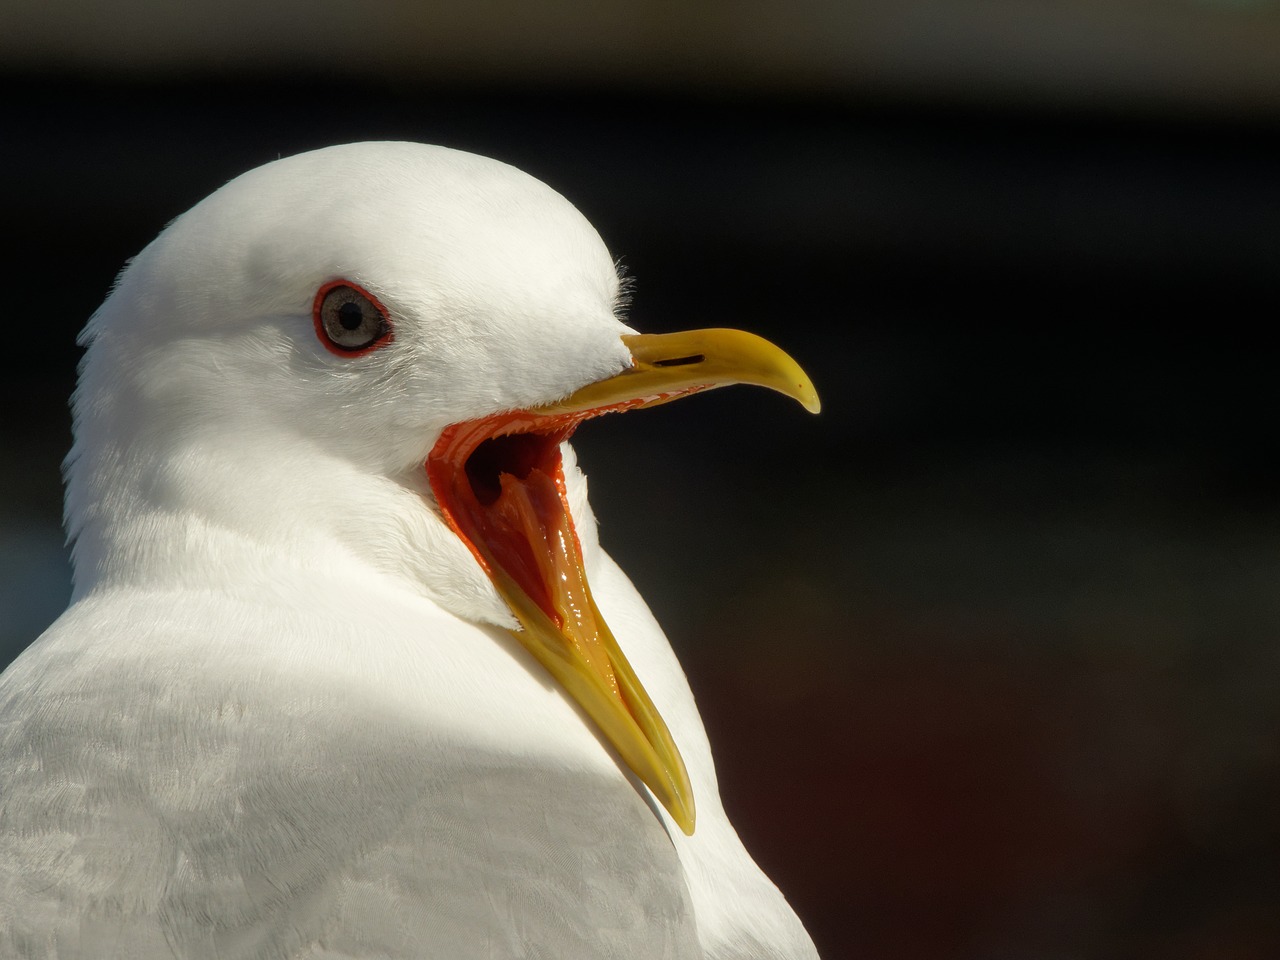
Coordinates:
column 349, row 320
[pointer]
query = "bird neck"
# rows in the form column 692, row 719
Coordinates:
column 238, row 514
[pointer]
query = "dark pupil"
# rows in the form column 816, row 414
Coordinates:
column 350, row 316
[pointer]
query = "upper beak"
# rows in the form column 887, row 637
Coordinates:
column 670, row 365
column 510, row 507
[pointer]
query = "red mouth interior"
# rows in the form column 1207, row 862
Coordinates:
column 499, row 482
column 517, row 454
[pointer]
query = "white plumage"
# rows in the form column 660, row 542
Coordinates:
column 288, row 714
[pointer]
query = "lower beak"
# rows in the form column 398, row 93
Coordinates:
column 499, row 482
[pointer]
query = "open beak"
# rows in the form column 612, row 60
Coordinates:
column 499, row 482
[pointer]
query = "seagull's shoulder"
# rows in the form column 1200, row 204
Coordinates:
column 243, row 797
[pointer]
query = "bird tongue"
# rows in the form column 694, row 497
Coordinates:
column 504, row 495
column 530, row 535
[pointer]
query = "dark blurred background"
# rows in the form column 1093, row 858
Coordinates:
column 988, row 650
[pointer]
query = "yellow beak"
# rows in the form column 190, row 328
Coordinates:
column 500, row 484
column 672, row 365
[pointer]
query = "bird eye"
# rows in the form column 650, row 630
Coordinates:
column 349, row 320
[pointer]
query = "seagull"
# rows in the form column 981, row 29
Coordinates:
column 346, row 672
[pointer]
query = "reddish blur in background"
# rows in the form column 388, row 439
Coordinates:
column 988, row 651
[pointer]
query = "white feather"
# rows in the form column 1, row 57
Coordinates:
column 282, row 717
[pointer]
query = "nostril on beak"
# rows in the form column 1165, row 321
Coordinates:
column 680, row 361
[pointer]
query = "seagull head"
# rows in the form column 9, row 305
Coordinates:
column 375, row 354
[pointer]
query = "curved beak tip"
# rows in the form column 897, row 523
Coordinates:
column 808, row 397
